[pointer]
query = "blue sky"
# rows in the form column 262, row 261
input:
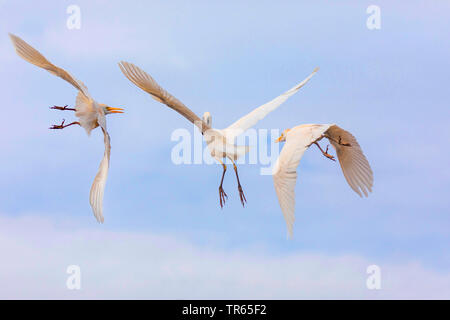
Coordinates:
column 388, row 87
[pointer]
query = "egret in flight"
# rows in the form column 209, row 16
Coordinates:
column 353, row 163
column 90, row 113
column 221, row 143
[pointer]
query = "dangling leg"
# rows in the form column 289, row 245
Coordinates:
column 241, row 192
column 222, row 194
column 62, row 108
column 62, row 126
column 325, row 153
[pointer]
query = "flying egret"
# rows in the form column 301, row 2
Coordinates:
column 353, row 163
column 90, row 114
column 221, row 143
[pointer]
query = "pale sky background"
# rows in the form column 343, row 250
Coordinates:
column 165, row 235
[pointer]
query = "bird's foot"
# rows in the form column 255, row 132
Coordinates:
column 329, row 156
column 222, row 196
column 62, row 125
column 58, row 126
column 242, row 195
column 325, row 153
column 62, row 108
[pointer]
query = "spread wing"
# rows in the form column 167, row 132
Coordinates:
column 144, row 81
column 27, row 52
column 285, row 174
column 354, row 164
column 249, row 120
column 98, row 186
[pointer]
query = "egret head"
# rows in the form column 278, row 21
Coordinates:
column 109, row 109
column 207, row 119
column 283, row 136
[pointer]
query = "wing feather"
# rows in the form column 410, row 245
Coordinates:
column 98, row 186
column 144, row 81
column 249, row 120
column 28, row 53
column 354, row 164
column 285, row 173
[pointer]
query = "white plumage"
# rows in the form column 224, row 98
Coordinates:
column 221, row 143
column 90, row 114
column 354, row 164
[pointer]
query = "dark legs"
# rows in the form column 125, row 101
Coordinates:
column 62, row 108
column 325, row 153
column 222, row 194
column 241, row 192
column 62, row 126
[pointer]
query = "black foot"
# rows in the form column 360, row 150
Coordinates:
column 242, row 196
column 222, row 196
column 62, row 108
column 58, row 126
column 329, row 156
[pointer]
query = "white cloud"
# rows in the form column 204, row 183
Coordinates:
column 36, row 252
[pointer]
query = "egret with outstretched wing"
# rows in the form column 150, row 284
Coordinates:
column 221, row 143
column 353, row 163
column 90, row 116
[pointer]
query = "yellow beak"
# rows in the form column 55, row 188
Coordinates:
column 114, row 110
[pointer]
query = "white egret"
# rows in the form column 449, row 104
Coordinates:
column 353, row 163
column 90, row 114
column 221, row 143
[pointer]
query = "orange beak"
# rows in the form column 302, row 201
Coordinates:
column 114, row 110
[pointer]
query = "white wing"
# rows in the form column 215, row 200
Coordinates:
column 259, row 113
column 27, row 52
column 285, row 172
column 354, row 164
column 98, row 186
